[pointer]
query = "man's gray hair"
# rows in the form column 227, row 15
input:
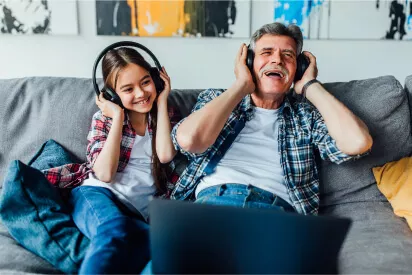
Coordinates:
column 277, row 28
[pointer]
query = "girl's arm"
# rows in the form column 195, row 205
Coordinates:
column 107, row 161
column 164, row 145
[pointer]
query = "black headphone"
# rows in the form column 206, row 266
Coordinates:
column 302, row 63
column 111, row 95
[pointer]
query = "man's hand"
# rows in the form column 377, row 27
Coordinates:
column 243, row 75
column 310, row 73
column 108, row 108
column 203, row 126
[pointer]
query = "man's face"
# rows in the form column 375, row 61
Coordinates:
column 274, row 65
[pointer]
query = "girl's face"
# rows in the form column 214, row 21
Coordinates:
column 136, row 88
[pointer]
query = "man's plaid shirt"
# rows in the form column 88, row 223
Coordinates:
column 302, row 130
column 72, row 175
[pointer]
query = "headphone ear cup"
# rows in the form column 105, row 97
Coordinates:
column 302, row 63
column 250, row 56
column 111, row 95
column 158, row 81
column 249, row 59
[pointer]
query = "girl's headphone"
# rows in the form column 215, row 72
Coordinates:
column 111, row 95
column 302, row 63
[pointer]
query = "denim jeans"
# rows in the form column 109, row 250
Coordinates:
column 119, row 238
column 240, row 195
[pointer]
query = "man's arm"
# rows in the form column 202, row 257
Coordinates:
column 200, row 129
column 350, row 133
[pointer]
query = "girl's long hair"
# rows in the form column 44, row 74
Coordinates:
column 113, row 62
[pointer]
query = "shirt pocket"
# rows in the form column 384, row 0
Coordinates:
column 300, row 156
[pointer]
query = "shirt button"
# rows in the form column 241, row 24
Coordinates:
column 232, row 132
column 204, row 174
column 218, row 153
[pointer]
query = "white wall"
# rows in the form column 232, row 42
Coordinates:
column 194, row 63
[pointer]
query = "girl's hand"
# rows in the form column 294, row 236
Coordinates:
column 108, row 108
column 166, row 91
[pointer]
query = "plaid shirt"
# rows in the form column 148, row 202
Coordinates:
column 72, row 175
column 302, row 130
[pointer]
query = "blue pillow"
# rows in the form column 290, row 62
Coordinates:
column 51, row 154
column 36, row 215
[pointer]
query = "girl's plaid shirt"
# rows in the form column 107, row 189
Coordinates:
column 72, row 175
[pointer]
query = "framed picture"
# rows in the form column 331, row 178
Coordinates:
column 38, row 17
column 173, row 18
column 345, row 19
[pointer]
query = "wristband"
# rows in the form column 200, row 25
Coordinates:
column 305, row 87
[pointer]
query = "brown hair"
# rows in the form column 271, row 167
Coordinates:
column 113, row 62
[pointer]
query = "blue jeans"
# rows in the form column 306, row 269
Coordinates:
column 119, row 238
column 240, row 195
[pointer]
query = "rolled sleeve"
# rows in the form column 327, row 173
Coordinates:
column 97, row 136
column 326, row 145
column 203, row 98
column 176, row 144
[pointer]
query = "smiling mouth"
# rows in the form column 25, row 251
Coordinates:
column 142, row 102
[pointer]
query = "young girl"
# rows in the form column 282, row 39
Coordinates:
column 126, row 154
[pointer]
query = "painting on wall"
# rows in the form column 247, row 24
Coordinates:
column 343, row 19
column 179, row 18
column 38, row 17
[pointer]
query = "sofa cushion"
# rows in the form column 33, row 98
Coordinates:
column 36, row 109
column 378, row 242
column 382, row 104
column 15, row 259
column 35, row 214
column 184, row 100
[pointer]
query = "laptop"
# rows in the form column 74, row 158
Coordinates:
column 200, row 238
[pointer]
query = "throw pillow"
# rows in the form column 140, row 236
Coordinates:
column 51, row 154
column 36, row 215
column 394, row 180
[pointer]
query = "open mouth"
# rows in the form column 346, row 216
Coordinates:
column 274, row 74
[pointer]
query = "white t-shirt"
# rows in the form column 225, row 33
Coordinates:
column 253, row 158
column 134, row 186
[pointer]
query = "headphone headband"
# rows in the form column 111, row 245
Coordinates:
column 116, row 45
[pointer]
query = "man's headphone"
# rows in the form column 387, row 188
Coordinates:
column 109, row 93
column 302, row 63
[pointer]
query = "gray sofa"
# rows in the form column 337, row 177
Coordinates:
column 36, row 109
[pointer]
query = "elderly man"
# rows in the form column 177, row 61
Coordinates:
column 252, row 145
